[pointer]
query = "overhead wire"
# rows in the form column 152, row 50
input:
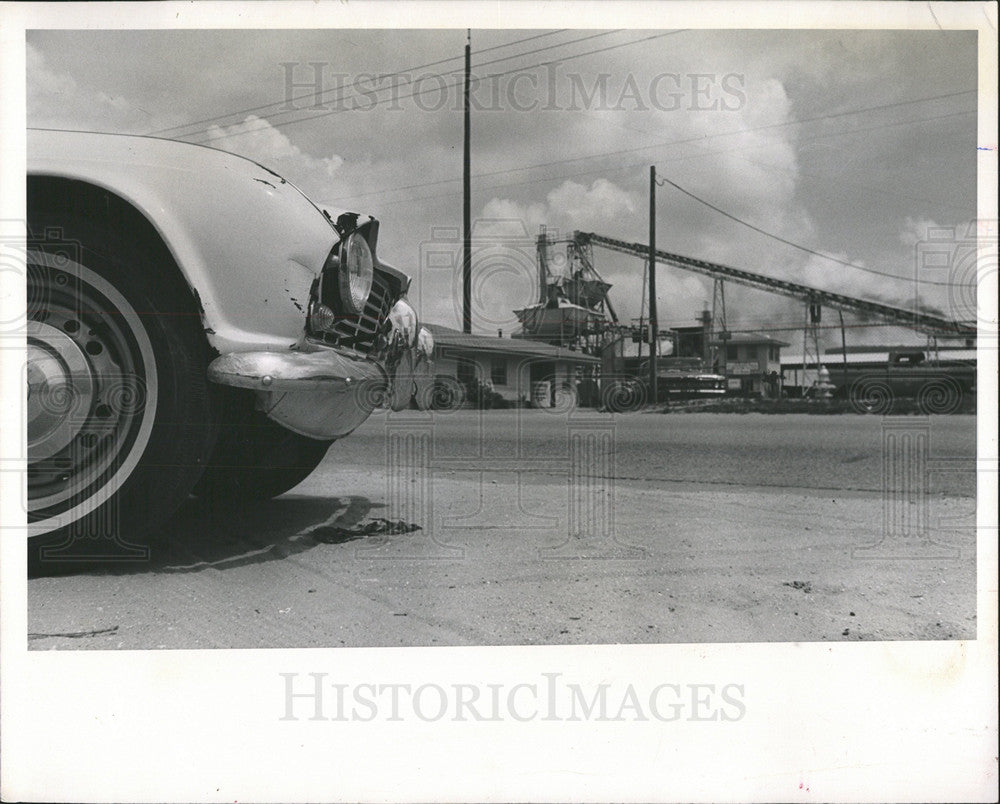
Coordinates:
column 685, row 141
column 417, row 93
column 446, row 87
column 319, row 93
column 780, row 239
column 666, row 180
column 604, row 169
column 836, row 179
column 696, row 140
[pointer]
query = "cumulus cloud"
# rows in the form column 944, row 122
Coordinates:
column 755, row 168
column 504, row 235
column 257, row 139
column 916, row 230
column 57, row 100
column 504, row 218
column 754, row 161
column 752, row 172
column 569, row 206
column 587, row 206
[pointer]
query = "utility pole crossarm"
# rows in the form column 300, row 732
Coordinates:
column 896, row 315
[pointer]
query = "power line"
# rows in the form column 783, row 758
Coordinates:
column 695, row 140
column 320, row 93
column 689, row 140
column 453, row 86
column 607, row 169
column 839, row 180
column 343, row 98
column 446, row 87
column 607, row 154
column 722, row 212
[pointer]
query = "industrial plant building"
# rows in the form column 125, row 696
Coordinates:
column 571, row 345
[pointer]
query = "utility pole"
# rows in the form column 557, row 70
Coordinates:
column 843, row 349
column 653, row 326
column 467, row 199
column 642, row 319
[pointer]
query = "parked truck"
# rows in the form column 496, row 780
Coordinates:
column 679, row 378
column 938, row 386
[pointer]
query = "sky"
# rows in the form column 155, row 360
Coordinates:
column 856, row 144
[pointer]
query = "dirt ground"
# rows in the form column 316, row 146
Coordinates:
column 536, row 528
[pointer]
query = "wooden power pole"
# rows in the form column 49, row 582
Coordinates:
column 467, row 199
column 653, row 325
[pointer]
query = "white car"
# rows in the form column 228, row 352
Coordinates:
column 195, row 324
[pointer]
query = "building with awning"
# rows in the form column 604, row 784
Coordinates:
column 515, row 368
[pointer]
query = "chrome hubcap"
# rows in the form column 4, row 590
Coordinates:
column 91, row 389
column 60, row 389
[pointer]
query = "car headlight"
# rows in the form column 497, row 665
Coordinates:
column 404, row 322
column 357, row 268
column 425, row 341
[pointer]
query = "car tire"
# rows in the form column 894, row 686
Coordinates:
column 871, row 396
column 256, row 458
column 447, row 394
column 623, row 395
column 120, row 415
column 941, row 396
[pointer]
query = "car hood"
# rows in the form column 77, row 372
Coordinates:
column 689, row 375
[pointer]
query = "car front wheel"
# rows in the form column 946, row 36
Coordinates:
column 257, row 459
column 942, row 395
column 119, row 415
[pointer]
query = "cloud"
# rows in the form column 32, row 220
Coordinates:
column 57, row 100
column 804, row 182
column 588, row 206
column 755, row 168
column 916, row 230
column 504, row 260
column 752, row 173
column 257, row 139
column 569, row 206
column 504, row 218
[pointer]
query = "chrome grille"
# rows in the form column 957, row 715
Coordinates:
column 360, row 332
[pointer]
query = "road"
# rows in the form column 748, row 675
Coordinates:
column 544, row 528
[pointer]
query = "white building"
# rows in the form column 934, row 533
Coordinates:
column 515, row 367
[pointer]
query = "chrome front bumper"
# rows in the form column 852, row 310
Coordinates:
column 270, row 372
column 323, row 394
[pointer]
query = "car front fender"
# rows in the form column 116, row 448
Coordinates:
column 248, row 243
